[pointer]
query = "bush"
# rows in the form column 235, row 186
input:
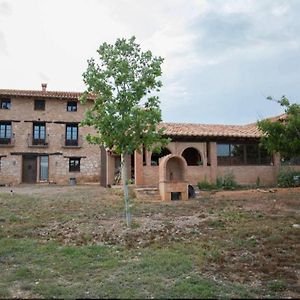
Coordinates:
column 229, row 182
column 204, row 185
column 219, row 183
column 286, row 178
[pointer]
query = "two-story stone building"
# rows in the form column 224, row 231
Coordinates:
column 41, row 141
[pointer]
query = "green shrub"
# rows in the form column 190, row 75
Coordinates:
column 258, row 182
column 204, row 185
column 286, row 178
column 219, row 183
column 229, row 182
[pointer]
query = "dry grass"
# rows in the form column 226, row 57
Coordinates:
column 72, row 242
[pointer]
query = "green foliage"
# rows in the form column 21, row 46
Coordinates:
column 276, row 285
column 219, row 183
column 229, row 182
column 205, row 185
column 283, row 136
column 257, row 182
column 125, row 114
column 286, row 177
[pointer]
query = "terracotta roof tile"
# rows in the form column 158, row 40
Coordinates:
column 41, row 94
column 207, row 130
column 171, row 129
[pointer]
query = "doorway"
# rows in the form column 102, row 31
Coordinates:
column 29, row 170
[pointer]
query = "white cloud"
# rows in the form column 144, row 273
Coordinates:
column 213, row 49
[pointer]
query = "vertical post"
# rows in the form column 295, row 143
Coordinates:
column 103, row 167
column 125, row 188
column 213, row 161
column 276, row 164
column 138, row 168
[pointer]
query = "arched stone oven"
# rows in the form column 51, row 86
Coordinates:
column 172, row 178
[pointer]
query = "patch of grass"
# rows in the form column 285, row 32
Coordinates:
column 193, row 287
column 205, row 186
column 245, row 246
column 276, row 285
column 166, row 262
column 216, row 223
column 245, row 243
column 23, row 273
column 4, row 291
column 135, row 224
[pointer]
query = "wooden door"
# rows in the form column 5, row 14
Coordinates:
column 29, row 173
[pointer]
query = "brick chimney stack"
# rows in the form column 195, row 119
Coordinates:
column 44, row 87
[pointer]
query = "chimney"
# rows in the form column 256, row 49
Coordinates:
column 44, row 87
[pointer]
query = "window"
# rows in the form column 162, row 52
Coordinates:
column 39, row 104
column 5, row 104
column 192, row 157
column 39, row 133
column 74, row 164
column 230, row 154
column 223, row 154
column 5, row 132
column 291, row 161
column 44, row 162
column 252, row 154
column 72, row 106
column 237, row 154
column 242, row 154
column 71, row 135
column 156, row 156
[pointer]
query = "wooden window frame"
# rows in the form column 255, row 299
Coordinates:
column 73, row 167
column 71, row 106
column 5, row 104
column 39, row 104
column 72, row 141
column 38, row 141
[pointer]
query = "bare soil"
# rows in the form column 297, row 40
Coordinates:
column 247, row 236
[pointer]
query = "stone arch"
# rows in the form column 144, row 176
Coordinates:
column 172, row 168
column 172, row 178
column 155, row 157
column 192, row 156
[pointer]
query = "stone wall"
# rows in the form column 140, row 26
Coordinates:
column 55, row 115
column 209, row 170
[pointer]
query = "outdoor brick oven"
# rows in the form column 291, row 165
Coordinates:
column 172, row 178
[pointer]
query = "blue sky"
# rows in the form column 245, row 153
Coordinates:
column 222, row 58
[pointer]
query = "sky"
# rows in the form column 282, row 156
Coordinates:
column 222, row 57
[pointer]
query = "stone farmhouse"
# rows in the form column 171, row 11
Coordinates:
column 41, row 142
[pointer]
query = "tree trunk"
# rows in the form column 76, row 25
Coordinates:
column 125, row 189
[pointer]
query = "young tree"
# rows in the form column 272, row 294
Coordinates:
column 283, row 135
column 125, row 113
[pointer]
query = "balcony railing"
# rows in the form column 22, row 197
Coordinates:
column 70, row 143
column 7, row 142
column 39, row 143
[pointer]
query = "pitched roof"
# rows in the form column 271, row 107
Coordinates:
column 207, row 130
column 171, row 129
column 41, row 94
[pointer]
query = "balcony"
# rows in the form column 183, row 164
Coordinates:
column 37, row 143
column 66, row 143
column 7, row 142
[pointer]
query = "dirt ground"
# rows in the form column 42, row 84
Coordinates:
column 246, row 236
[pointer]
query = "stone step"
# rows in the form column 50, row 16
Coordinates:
column 147, row 193
column 152, row 193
